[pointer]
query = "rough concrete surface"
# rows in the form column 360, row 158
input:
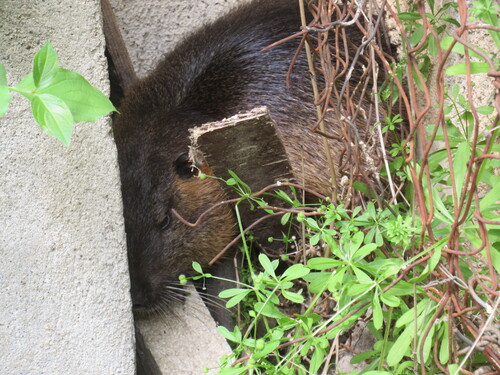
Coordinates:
column 64, row 305
column 185, row 341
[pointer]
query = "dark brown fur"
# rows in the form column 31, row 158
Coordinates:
column 213, row 74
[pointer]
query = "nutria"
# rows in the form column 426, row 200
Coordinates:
column 214, row 73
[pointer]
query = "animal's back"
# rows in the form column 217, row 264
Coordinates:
column 215, row 73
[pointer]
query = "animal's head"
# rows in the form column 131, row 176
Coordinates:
column 156, row 177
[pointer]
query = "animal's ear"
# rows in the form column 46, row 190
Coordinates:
column 121, row 70
column 183, row 166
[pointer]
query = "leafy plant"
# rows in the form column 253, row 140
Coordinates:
column 421, row 274
column 58, row 97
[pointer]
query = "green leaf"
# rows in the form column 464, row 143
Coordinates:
column 316, row 359
column 429, row 339
column 485, row 109
column 409, row 316
column 377, row 372
column 292, row 296
column 28, row 85
column 432, row 263
column 323, row 263
column 237, row 298
column 389, row 300
column 197, row 267
column 491, row 198
column 3, row 76
column 359, row 186
column 357, row 240
column 233, row 292
column 378, row 316
column 444, row 350
column 405, row 16
column 85, row 102
column 285, row 218
column 53, row 116
column 45, row 66
column 458, row 47
column 364, row 251
column 268, row 310
column 267, row 265
column 4, row 100
column 231, row 336
column 294, row 272
column 400, row 346
column 461, row 69
column 335, row 283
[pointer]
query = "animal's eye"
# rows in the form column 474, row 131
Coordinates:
column 165, row 223
column 183, row 166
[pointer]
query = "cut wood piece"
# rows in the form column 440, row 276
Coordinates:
column 248, row 145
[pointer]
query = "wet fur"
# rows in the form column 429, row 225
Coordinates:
column 212, row 74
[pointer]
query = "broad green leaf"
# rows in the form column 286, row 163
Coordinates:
column 268, row 310
column 267, row 265
column 491, row 198
column 389, row 300
column 461, row 69
column 4, row 100
column 45, row 66
column 85, row 102
column 53, row 116
column 359, row 288
column 312, row 224
column 318, row 281
column 364, row 251
column 401, row 346
column 292, row 296
column 3, row 76
column 294, row 272
column 417, row 35
column 231, row 336
column 361, row 275
column 405, row 16
column 378, row 316
column 359, row 186
column 444, row 350
column 335, row 281
column 316, row 359
column 402, row 288
column 285, row 218
column 431, row 263
column 233, row 292
column 237, row 299
column 429, row 339
column 28, row 85
column 197, row 267
column 458, row 47
column 485, row 109
column 323, row 263
column 356, row 241
column 409, row 316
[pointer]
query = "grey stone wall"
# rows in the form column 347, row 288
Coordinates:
column 64, row 305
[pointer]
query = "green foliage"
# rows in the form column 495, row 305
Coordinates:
column 380, row 262
column 58, row 97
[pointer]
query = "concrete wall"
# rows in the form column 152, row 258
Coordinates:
column 64, row 304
